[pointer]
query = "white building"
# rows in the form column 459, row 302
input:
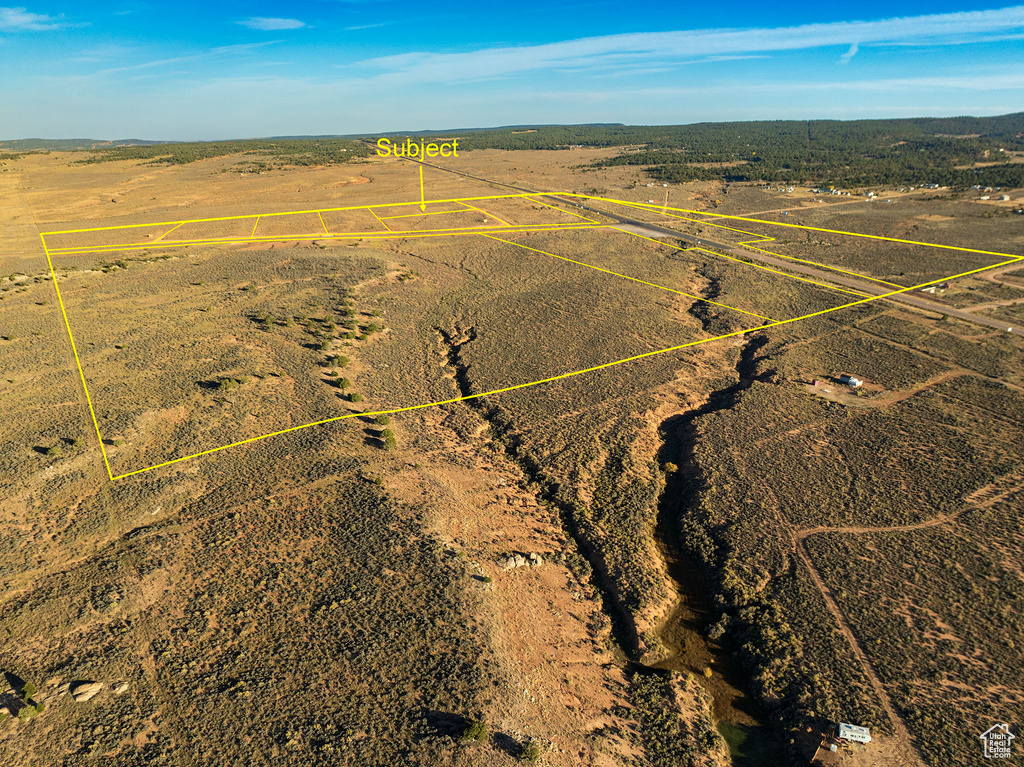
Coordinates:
column 855, row 733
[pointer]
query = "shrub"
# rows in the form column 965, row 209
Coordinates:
column 387, row 434
column 390, row 443
column 355, row 397
column 475, row 731
column 53, row 451
column 27, row 712
column 28, row 690
column 530, row 752
column 342, row 361
column 344, row 383
column 382, row 420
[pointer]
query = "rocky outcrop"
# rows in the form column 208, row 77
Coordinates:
column 83, row 691
column 533, row 559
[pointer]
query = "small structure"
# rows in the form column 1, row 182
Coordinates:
column 850, row 381
column 854, row 733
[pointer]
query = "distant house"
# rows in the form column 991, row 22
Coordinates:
column 854, row 733
column 850, row 381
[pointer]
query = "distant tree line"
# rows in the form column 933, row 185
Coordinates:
column 284, row 151
column 917, row 151
column 832, row 153
column 825, row 152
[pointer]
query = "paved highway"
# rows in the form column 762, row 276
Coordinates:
column 864, row 286
column 653, row 230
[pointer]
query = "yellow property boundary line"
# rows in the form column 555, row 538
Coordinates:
column 1012, row 258
column 748, row 244
column 627, row 277
column 387, row 233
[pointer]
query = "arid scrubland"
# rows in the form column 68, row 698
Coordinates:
column 366, row 590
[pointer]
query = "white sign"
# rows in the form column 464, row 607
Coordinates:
column 996, row 741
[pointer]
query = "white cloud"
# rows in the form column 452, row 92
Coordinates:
column 20, row 19
column 369, row 26
column 678, row 46
column 845, row 58
column 270, row 24
column 218, row 52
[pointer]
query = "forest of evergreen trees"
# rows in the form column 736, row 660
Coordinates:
column 825, row 152
column 268, row 152
column 955, row 151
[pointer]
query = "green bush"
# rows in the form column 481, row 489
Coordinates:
column 27, row 712
column 530, row 752
column 355, row 397
column 390, row 443
column 475, row 731
column 53, row 451
column 344, row 383
column 382, row 420
column 28, row 690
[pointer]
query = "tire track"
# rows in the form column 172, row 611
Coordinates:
column 979, row 499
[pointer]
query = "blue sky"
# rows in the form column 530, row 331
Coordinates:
column 196, row 70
